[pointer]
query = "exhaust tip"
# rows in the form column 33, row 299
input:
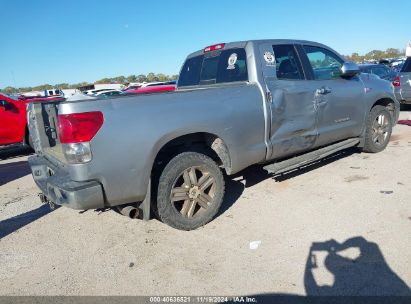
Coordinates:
column 129, row 211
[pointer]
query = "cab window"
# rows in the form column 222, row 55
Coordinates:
column 287, row 63
column 325, row 64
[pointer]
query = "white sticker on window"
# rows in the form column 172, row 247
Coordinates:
column 231, row 61
column 269, row 58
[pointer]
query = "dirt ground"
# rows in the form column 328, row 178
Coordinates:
column 274, row 235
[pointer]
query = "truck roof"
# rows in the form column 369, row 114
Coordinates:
column 242, row 44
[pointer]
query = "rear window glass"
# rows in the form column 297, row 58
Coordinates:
column 407, row 66
column 215, row 67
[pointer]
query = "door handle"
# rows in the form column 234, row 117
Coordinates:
column 323, row 91
column 269, row 96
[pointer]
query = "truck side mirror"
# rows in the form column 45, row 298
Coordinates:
column 349, row 69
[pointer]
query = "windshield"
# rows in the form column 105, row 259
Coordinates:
column 14, row 97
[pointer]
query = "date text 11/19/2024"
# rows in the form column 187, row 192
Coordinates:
column 202, row 299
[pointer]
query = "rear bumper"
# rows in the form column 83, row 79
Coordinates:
column 56, row 185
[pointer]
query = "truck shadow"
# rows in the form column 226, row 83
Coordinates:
column 12, row 224
column 12, row 171
column 316, row 165
column 255, row 174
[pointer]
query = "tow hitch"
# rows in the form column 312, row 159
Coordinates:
column 45, row 200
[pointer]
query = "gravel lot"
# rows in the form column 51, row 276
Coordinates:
column 362, row 198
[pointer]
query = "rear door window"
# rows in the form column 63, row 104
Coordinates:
column 215, row 67
column 288, row 66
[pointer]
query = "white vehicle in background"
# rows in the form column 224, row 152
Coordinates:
column 79, row 96
column 138, row 85
column 93, row 92
column 109, row 93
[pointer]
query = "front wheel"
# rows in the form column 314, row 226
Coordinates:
column 378, row 129
column 190, row 191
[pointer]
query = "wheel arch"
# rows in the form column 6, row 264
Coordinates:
column 390, row 104
column 386, row 102
column 203, row 142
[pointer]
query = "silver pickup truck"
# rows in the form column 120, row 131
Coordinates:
column 402, row 83
column 279, row 103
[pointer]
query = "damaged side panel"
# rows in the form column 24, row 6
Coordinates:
column 293, row 119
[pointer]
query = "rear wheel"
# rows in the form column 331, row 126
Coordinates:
column 28, row 141
column 190, row 191
column 378, row 129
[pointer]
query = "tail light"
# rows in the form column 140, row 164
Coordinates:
column 214, row 47
column 396, row 82
column 76, row 131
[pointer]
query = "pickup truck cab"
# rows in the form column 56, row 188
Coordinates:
column 279, row 103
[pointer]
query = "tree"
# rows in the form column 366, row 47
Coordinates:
column 151, row 77
column 10, row 90
column 141, row 78
column 131, row 78
column 62, row 86
column 119, row 79
column 377, row 55
column 104, row 80
column 162, row 77
column 392, row 53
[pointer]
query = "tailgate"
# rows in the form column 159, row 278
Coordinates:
column 43, row 124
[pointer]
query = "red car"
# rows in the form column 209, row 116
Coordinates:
column 13, row 120
column 153, row 89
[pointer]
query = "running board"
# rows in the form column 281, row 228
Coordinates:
column 304, row 159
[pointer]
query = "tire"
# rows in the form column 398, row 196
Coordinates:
column 378, row 130
column 190, row 191
column 30, row 141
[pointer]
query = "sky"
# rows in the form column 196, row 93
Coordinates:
column 69, row 41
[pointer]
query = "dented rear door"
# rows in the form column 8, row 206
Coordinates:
column 293, row 114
